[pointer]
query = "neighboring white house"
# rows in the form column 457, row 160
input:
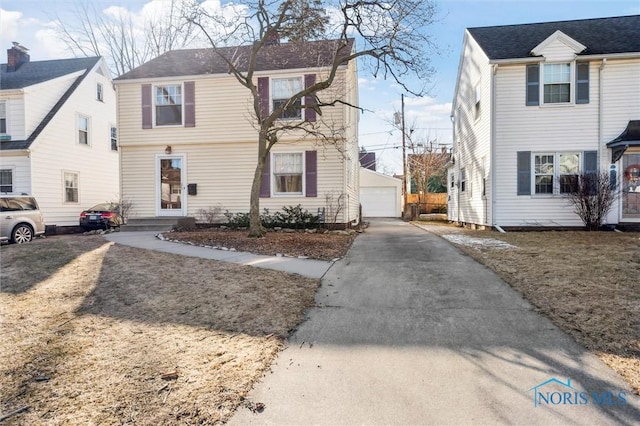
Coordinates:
column 58, row 134
column 534, row 106
column 188, row 137
column 380, row 195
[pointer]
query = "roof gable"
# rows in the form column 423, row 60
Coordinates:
column 284, row 56
column 31, row 73
column 599, row 36
column 561, row 37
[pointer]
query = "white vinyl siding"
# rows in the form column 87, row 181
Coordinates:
column 472, row 124
column 57, row 149
column 568, row 129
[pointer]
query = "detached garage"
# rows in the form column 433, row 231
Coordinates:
column 380, row 195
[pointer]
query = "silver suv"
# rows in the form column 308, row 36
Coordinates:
column 20, row 218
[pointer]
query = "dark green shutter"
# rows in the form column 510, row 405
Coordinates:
column 533, row 84
column 524, row 172
column 582, row 83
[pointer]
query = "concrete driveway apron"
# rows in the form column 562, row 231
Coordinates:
column 409, row 330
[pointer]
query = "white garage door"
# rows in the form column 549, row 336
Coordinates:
column 378, row 201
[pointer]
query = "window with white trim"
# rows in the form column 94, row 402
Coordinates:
column 83, row 130
column 556, row 81
column 113, row 136
column 3, row 118
column 99, row 92
column 463, row 179
column 288, row 171
column 555, row 173
column 168, row 105
column 6, row 180
column 281, row 91
column 70, row 187
column 478, row 93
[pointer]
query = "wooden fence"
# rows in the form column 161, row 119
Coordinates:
column 429, row 203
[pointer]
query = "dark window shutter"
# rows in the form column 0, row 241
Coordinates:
column 524, row 172
column 590, row 161
column 613, row 179
column 309, row 100
column 311, row 173
column 189, row 104
column 582, row 83
column 533, row 84
column 263, row 95
column 265, row 184
column 146, row 107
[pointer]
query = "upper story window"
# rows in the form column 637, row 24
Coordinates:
column 168, row 105
column 558, row 83
column 282, row 90
column 287, row 173
column 556, row 80
column 99, row 92
column 463, row 180
column 3, row 117
column 478, row 94
column 83, row 130
column 114, row 138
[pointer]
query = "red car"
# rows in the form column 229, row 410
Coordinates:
column 101, row 216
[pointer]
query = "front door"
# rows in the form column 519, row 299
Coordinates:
column 631, row 187
column 170, row 186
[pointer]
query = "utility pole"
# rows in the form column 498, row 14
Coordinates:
column 404, row 158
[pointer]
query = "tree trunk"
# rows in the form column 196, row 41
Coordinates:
column 256, row 230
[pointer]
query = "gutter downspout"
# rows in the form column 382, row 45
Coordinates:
column 492, row 142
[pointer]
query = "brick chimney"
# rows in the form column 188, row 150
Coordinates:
column 16, row 56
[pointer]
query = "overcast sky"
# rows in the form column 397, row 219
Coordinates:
column 29, row 22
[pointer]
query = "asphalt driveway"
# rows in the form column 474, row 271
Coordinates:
column 409, row 330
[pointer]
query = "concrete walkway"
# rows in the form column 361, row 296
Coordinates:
column 411, row 331
column 147, row 240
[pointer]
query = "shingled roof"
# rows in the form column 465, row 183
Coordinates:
column 31, row 73
column 37, row 72
column 601, row 36
column 273, row 57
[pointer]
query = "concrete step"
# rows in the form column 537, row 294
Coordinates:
column 150, row 224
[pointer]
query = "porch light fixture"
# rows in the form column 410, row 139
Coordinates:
column 167, row 150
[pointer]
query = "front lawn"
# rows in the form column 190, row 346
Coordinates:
column 97, row 333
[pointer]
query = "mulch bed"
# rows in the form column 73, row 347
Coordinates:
column 318, row 245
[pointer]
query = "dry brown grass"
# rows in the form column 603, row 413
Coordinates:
column 588, row 283
column 89, row 329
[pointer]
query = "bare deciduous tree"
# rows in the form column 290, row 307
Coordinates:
column 124, row 43
column 392, row 42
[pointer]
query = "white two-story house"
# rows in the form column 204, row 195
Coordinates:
column 189, row 140
column 536, row 105
column 58, row 138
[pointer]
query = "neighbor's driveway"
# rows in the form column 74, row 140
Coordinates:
column 409, row 330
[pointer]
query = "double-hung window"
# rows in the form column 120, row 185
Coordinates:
column 6, row 180
column 83, row 130
column 556, row 173
column 463, row 180
column 113, row 133
column 556, row 80
column 70, row 187
column 282, row 90
column 287, row 173
column 168, row 105
column 99, row 92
